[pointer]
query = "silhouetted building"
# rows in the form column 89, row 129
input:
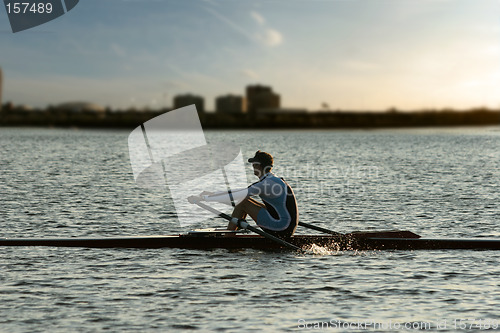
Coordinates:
column 188, row 99
column 80, row 107
column 230, row 104
column 288, row 111
column 261, row 97
column 1, row 81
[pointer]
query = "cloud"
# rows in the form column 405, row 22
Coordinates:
column 230, row 23
column 359, row 65
column 211, row 2
column 176, row 85
column 257, row 17
column 266, row 35
column 271, row 37
column 249, row 73
column 57, row 89
column 118, row 50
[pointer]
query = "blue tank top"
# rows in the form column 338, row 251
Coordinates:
column 281, row 213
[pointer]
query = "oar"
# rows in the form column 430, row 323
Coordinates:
column 311, row 226
column 358, row 234
column 244, row 224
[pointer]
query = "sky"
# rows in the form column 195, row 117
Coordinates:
column 346, row 54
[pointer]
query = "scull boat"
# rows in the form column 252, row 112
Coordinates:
column 212, row 239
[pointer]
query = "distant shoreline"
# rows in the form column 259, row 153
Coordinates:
column 14, row 117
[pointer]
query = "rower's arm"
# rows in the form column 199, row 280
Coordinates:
column 225, row 197
column 237, row 195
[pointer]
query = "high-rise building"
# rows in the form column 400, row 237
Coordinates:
column 261, row 97
column 188, row 99
column 230, row 104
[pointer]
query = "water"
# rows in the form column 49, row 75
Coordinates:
column 435, row 182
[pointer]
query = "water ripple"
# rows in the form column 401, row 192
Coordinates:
column 64, row 183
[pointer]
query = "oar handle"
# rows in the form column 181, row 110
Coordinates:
column 244, row 224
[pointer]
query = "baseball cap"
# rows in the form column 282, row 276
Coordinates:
column 262, row 158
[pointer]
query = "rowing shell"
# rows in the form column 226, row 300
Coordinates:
column 381, row 240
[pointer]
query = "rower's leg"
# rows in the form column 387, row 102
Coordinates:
column 248, row 206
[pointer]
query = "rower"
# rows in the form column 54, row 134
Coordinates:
column 278, row 214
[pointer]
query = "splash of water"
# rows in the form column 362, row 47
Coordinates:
column 322, row 250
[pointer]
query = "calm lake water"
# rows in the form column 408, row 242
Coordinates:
column 435, row 182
